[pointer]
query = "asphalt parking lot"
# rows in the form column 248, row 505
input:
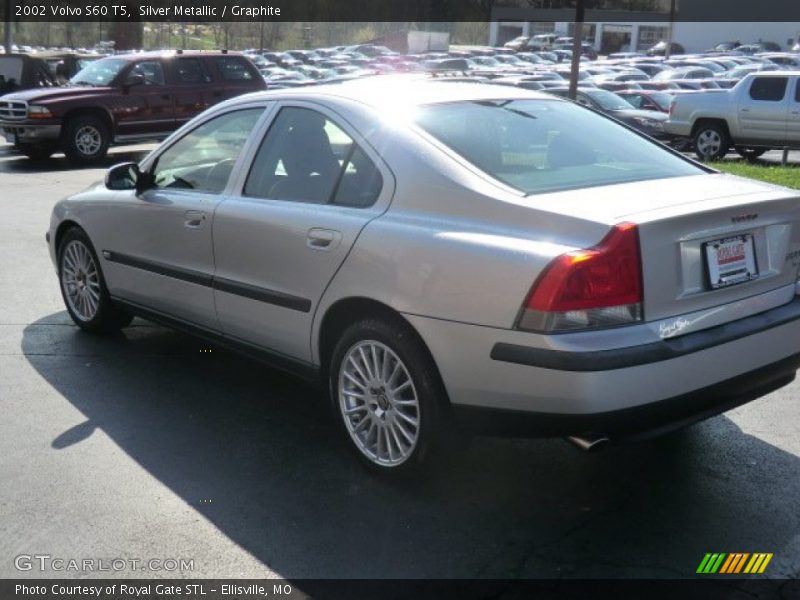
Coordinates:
column 146, row 445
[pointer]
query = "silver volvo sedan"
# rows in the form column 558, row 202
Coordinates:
column 445, row 255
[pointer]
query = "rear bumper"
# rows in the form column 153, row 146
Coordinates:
column 638, row 422
column 576, row 383
column 632, row 356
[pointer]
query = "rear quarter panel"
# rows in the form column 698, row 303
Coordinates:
column 452, row 245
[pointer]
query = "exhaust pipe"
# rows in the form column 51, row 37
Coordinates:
column 588, row 444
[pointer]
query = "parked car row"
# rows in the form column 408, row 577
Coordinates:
column 141, row 96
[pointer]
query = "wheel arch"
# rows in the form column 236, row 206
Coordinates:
column 94, row 111
column 63, row 227
column 346, row 311
column 700, row 121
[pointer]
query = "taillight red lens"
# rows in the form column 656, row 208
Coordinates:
column 606, row 275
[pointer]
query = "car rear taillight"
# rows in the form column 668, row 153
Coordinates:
column 596, row 287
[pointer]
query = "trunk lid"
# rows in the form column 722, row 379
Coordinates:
column 693, row 229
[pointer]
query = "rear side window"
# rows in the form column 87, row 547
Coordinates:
column 360, row 182
column 548, row 145
column 768, row 88
column 10, row 73
column 190, row 70
column 233, row 68
column 797, row 91
column 306, row 157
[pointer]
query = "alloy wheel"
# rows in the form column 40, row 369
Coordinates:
column 80, row 280
column 379, row 403
column 88, row 140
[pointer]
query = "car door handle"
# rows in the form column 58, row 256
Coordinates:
column 323, row 239
column 166, row 97
column 745, row 110
column 194, row 219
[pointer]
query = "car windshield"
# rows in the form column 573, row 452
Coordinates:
column 608, row 100
column 99, row 72
column 541, row 146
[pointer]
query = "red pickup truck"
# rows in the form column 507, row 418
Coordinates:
column 123, row 99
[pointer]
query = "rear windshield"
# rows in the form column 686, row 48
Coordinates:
column 548, row 145
column 10, row 68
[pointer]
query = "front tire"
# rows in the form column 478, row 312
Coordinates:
column 38, row 152
column 83, row 287
column 86, row 139
column 711, row 142
column 387, row 395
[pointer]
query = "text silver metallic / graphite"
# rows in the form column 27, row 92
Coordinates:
column 206, row 10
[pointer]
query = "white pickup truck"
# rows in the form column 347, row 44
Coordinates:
column 759, row 113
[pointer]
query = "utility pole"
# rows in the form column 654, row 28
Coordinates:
column 9, row 37
column 668, row 50
column 577, row 49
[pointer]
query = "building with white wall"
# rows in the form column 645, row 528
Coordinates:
column 614, row 25
column 614, row 36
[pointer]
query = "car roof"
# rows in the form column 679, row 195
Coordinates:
column 51, row 54
column 381, row 91
column 171, row 54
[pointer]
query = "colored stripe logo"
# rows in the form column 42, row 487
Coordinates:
column 734, row 563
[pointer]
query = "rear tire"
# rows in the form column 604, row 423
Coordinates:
column 86, row 139
column 711, row 142
column 387, row 395
column 83, row 286
column 750, row 154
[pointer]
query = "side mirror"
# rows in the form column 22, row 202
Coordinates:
column 133, row 79
column 124, row 176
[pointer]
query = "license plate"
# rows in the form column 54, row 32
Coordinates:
column 731, row 260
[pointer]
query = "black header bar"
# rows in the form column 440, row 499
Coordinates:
column 409, row 11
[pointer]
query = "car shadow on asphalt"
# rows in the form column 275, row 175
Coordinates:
column 282, row 485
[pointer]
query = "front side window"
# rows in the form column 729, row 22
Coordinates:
column 771, row 89
column 203, row 159
column 540, row 146
column 306, row 157
column 152, row 71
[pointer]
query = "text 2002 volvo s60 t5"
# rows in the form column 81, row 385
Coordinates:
column 442, row 250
